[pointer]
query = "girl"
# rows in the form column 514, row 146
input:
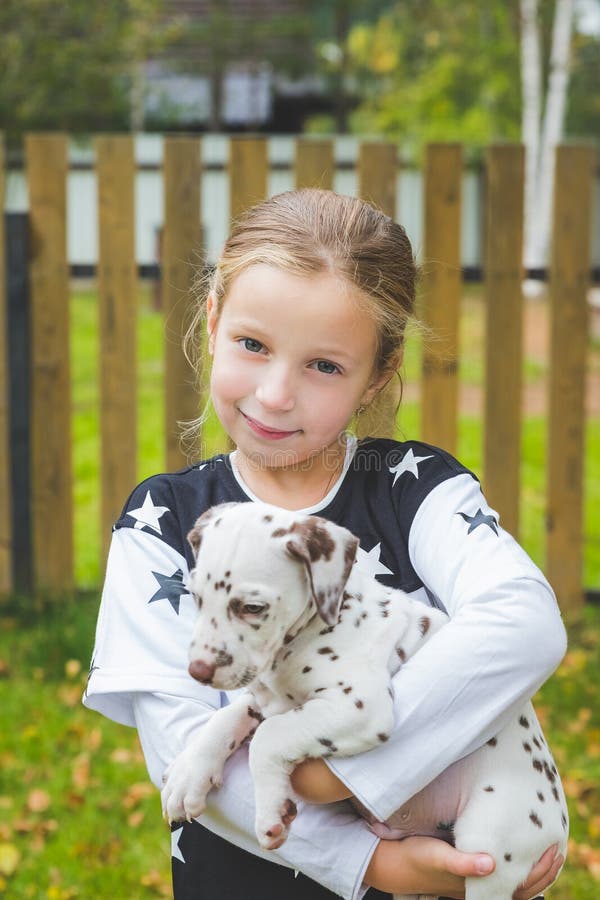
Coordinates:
column 306, row 314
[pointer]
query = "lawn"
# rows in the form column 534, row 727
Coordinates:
column 78, row 818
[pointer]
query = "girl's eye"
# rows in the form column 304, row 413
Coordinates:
column 327, row 368
column 252, row 345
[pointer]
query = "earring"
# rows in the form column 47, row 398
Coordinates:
column 359, row 411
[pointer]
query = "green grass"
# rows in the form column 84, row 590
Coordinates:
column 78, row 818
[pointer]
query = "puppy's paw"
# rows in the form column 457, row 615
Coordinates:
column 186, row 784
column 273, row 825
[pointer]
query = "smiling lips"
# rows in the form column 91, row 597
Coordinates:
column 272, row 434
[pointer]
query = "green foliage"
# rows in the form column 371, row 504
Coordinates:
column 438, row 70
column 67, row 64
column 442, row 70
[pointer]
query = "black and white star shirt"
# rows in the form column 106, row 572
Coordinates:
column 425, row 527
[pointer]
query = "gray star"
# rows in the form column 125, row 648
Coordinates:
column 478, row 519
column 171, row 588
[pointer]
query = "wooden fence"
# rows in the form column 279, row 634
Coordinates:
column 51, row 480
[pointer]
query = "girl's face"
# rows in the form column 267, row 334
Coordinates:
column 293, row 358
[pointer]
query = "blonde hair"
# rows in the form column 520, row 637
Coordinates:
column 309, row 232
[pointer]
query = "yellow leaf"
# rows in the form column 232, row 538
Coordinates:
column 9, row 858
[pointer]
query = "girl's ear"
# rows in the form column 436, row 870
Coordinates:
column 382, row 378
column 211, row 322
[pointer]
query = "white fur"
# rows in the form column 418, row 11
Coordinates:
column 284, row 613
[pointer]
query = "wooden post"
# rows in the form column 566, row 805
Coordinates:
column 569, row 283
column 51, row 472
column 441, row 293
column 248, row 171
column 504, row 331
column 315, row 163
column 377, row 176
column 18, row 308
column 181, row 257
column 5, row 449
column 117, row 294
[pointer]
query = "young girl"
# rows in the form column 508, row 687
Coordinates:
column 306, row 313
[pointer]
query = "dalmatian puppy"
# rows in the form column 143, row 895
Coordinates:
column 284, row 613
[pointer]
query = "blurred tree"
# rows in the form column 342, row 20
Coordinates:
column 450, row 70
column 438, row 70
column 70, row 64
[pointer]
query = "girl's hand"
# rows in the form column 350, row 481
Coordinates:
column 427, row 865
column 542, row 875
column 419, row 864
column 424, row 865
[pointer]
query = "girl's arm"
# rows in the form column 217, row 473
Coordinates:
column 504, row 638
column 418, row 865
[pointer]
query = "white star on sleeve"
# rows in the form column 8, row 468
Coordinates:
column 408, row 463
column 369, row 562
column 175, row 849
column 148, row 514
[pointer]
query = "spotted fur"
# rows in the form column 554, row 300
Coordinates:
column 315, row 691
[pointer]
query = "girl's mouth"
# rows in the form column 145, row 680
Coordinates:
column 273, row 434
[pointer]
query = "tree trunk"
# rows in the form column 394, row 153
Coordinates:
column 552, row 129
column 531, row 93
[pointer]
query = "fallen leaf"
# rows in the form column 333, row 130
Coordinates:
column 135, row 819
column 38, row 800
column 138, row 792
column 9, row 858
column 72, row 668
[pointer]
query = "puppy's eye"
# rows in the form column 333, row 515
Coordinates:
column 252, row 609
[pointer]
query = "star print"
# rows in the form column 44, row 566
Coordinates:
column 480, row 519
column 147, row 515
column 408, row 463
column 370, row 563
column 175, row 850
column 171, row 588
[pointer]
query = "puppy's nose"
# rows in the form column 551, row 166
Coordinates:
column 201, row 671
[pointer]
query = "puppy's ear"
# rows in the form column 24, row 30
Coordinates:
column 328, row 552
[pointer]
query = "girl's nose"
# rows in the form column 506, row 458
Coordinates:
column 276, row 391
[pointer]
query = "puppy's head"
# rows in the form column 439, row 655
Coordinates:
column 261, row 573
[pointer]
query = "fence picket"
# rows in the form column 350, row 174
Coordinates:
column 182, row 246
column 314, row 163
column 51, row 466
column 5, row 454
column 117, row 295
column 441, row 293
column 504, row 331
column 569, row 283
column 43, row 271
column 248, row 173
column 377, row 176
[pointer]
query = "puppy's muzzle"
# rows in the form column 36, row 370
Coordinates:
column 201, row 671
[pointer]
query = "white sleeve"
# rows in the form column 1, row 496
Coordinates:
column 504, row 638
column 329, row 844
column 139, row 677
column 144, row 626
